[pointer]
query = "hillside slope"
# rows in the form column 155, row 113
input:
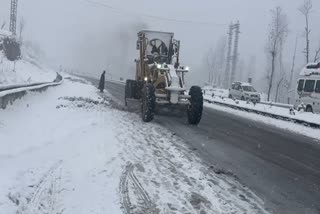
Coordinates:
column 26, row 70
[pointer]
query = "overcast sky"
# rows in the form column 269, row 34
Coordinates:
column 79, row 34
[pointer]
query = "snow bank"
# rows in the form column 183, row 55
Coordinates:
column 305, row 116
column 23, row 71
column 213, row 91
column 5, row 33
column 299, row 115
column 220, row 92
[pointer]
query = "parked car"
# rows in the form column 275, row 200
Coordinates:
column 308, row 88
column 244, row 91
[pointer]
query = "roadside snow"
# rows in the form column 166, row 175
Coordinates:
column 68, row 151
column 307, row 131
column 23, row 71
column 220, row 92
column 211, row 91
column 305, row 116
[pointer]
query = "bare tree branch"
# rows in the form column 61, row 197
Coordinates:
column 277, row 35
column 21, row 27
column 305, row 10
column 292, row 66
column 278, row 87
column 317, row 55
column 3, row 25
column 214, row 60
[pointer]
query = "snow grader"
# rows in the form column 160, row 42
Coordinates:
column 160, row 78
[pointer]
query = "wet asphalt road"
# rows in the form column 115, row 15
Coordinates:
column 281, row 167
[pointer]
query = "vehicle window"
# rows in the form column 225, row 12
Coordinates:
column 237, row 87
column 234, row 87
column 318, row 87
column 309, row 86
column 300, row 85
column 248, row 88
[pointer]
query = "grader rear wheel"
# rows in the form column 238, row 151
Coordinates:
column 196, row 105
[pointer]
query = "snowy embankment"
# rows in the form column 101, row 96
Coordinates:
column 24, row 71
column 217, row 92
column 74, row 153
column 275, row 110
column 269, row 109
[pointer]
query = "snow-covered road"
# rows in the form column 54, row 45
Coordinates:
column 68, row 151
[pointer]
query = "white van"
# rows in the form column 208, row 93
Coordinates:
column 308, row 88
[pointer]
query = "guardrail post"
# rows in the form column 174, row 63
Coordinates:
column 1, row 103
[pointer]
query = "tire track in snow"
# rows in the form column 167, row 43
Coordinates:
column 173, row 170
column 45, row 189
column 128, row 177
column 124, row 190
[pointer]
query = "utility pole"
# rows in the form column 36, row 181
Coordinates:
column 227, row 72
column 13, row 16
column 232, row 60
column 236, row 28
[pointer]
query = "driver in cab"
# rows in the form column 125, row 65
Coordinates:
column 154, row 48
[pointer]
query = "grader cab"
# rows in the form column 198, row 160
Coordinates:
column 160, row 79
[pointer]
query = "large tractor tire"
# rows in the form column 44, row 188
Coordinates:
column 148, row 102
column 195, row 106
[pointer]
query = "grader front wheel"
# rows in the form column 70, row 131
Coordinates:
column 148, row 102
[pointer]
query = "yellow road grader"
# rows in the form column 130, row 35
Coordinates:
column 160, row 78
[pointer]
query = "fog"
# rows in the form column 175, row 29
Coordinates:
column 87, row 37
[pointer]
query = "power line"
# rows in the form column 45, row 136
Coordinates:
column 121, row 11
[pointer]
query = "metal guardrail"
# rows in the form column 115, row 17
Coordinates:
column 10, row 87
column 117, row 88
column 268, row 114
column 9, row 94
column 281, row 105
